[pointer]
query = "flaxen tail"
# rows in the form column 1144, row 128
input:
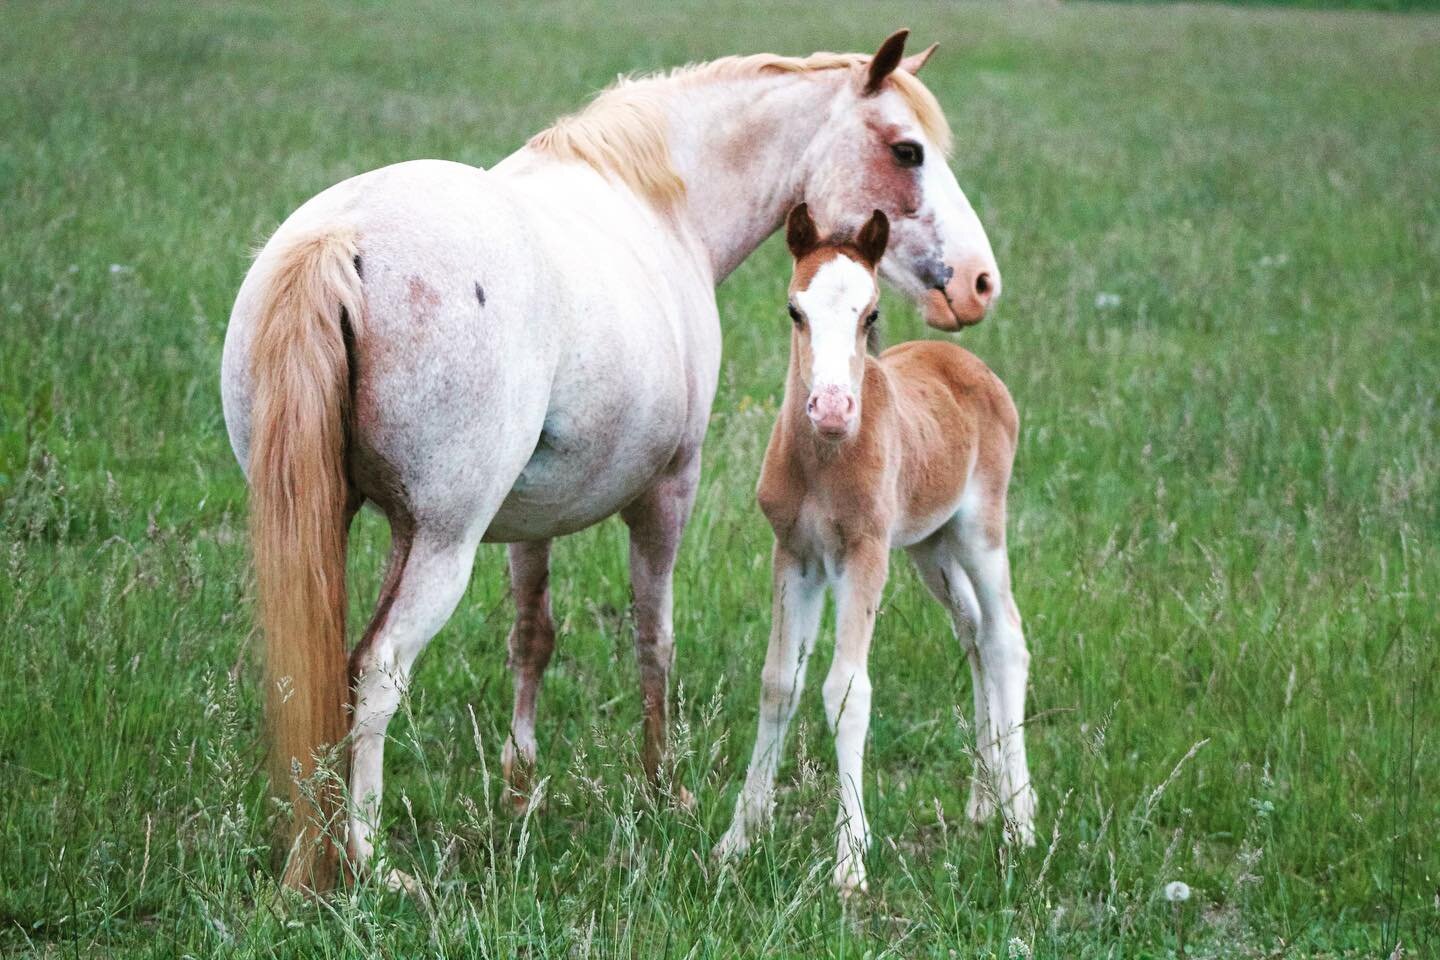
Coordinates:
column 298, row 520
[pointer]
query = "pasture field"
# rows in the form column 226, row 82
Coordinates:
column 1219, row 230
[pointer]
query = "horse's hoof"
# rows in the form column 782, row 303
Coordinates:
column 684, row 799
column 518, row 802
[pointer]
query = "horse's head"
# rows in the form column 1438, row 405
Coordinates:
column 884, row 147
column 833, row 297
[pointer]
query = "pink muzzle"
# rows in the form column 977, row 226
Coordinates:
column 832, row 410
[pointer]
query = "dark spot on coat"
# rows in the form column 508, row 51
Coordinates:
column 359, row 272
column 480, row 294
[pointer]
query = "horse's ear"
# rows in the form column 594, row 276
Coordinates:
column 873, row 237
column 800, row 233
column 915, row 61
column 886, row 59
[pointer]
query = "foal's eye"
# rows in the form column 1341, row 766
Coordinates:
column 908, row 153
column 870, row 320
column 794, row 314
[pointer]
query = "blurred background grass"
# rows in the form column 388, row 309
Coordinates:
column 1218, row 231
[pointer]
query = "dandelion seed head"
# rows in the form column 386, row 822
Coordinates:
column 1177, row 891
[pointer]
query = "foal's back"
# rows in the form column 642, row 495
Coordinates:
column 956, row 427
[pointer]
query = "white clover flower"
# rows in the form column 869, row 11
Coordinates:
column 1018, row 949
column 1177, row 891
column 1105, row 301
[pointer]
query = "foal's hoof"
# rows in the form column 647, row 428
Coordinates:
column 1020, row 818
column 731, row 846
column 1020, row 834
column 981, row 805
column 398, row 881
column 850, row 882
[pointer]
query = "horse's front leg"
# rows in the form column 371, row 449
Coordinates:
column 798, row 599
column 847, row 700
column 532, row 641
column 656, row 520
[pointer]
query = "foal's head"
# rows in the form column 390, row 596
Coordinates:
column 884, row 146
column 834, row 306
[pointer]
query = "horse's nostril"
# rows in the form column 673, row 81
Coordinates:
column 982, row 284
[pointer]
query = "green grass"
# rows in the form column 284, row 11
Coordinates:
column 1224, row 518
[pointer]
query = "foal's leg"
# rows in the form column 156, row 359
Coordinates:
column 797, row 600
column 1004, row 668
column 656, row 520
column 423, row 594
column 847, row 700
column 532, row 641
column 938, row 563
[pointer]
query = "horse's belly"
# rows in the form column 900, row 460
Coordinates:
column 587, row 467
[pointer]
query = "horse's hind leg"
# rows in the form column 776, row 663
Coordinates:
column 940, row 570
column 1004, row 665
column 417, row 601
column 656, row 520
column 532, row 641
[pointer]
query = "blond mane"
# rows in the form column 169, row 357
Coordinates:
column 621, row 132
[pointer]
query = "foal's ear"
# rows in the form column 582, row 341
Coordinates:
column 871, row 239
column 800, row 233
column 886, row 59
column 915, row 61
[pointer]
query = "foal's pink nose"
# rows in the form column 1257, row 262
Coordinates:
column 831, row 409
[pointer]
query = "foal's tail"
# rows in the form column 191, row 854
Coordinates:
column 298, row 529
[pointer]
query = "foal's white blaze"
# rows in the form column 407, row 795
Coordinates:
column 831, row 307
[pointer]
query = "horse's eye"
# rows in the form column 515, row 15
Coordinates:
column 908, row 153
column 794, row 314
column 870, row 320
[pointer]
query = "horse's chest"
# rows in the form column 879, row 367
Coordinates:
column 823, row 529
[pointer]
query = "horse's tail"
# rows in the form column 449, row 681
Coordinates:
column 298, row 528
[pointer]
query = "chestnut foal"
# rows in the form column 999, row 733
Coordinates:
column 910, row 449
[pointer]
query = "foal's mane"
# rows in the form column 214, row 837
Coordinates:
column 622, row 131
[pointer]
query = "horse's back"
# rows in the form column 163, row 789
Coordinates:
column 958, row 429
column 443, row 344
column 526, row 328
column 966, row 379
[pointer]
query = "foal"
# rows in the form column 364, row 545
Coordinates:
column 910, row 449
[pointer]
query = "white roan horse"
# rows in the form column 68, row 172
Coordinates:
column 515, row 355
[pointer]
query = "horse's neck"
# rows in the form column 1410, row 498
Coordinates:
column 740, row 146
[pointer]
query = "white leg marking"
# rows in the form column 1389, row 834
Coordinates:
column 1005, row 668
column 430, row 587
column 847, row 705
column 795, row 619
column 940, row 569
